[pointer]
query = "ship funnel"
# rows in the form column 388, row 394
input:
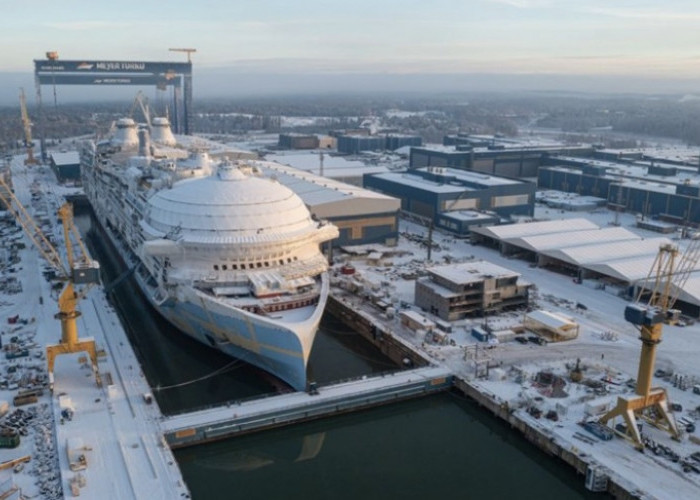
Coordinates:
column 161, row 132
column 125, row 135
column 144, row 143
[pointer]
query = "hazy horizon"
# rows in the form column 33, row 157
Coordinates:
column 276, row 46
column 233, row 83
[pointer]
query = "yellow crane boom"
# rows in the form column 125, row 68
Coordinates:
column 27, row 124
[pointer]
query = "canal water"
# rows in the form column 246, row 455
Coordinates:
column 442, row 446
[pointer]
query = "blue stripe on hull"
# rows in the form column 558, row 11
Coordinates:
column 273, row 348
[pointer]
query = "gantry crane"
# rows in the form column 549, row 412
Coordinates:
column 663, row 284
column 80, row 271
column 27, row 129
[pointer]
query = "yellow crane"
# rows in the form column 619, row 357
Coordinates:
column 79, row 274
column 663, row 284
column 27, row 129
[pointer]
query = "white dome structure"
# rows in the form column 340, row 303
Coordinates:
column 233, row 206
column 125, row 135
column 161, row 132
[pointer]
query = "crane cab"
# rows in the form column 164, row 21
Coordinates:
column 86, row 273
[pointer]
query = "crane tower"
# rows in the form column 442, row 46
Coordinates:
column 663, row 284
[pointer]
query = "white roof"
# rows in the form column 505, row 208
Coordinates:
column 599, row 236
column 67, row 158
column 509, row 231
column 228, row 205
column 551, row 319
column 586, row 254
column 469, row 272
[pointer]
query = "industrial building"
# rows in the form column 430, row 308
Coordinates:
column 440, row 193
column 362, row 216
column 298, row 141
column 354, row 144
column 509, row 161
column 453, row 292
column 66, row 166
column 668, row 192
column 612, row 256
column 555, row 327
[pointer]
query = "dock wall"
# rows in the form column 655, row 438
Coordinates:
column 393, row 347
column 362, row 324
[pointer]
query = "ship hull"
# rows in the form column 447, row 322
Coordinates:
column 279, row 349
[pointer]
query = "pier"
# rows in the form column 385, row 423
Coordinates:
column 221, row 422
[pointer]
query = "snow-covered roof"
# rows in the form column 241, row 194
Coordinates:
column 597, row 252
column 551, row 319
column 469, row 272
column 510, row 231
column 67, row 158
column 599, row 236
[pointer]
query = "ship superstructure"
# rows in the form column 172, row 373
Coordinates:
column 228, row 256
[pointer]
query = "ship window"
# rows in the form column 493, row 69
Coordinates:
column 216, row 267
column 224, row 267
column 288, row 259
column 267, row 264
column 259, row 264
column 295, row 258
column 235, row 267
column 281, row 262
column 242, row 266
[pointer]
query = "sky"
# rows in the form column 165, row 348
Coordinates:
column 606, row 39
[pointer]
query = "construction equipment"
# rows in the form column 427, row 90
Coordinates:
column 663, row 284
column 80, row 270
column 188, row 51
column 11, row 463
column 27, row 129
column 142, row 101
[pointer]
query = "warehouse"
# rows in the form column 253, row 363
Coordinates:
column 362, row 216
column 431, row 192
column 669, row 193
column 577, row 247
column 512, row 161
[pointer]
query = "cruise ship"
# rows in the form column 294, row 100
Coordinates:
column 228, row 256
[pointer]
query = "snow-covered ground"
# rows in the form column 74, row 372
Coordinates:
column 113, row 426
column 607, row 346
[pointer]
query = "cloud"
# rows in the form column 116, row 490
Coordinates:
column 88, row 25
column 524, row 4
column 651, row 14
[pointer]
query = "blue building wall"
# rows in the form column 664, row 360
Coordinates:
column 429, row 203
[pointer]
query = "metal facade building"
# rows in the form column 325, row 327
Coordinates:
column 668, row 193
column 354, row 144
column 431, row 192
column 508, row 162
